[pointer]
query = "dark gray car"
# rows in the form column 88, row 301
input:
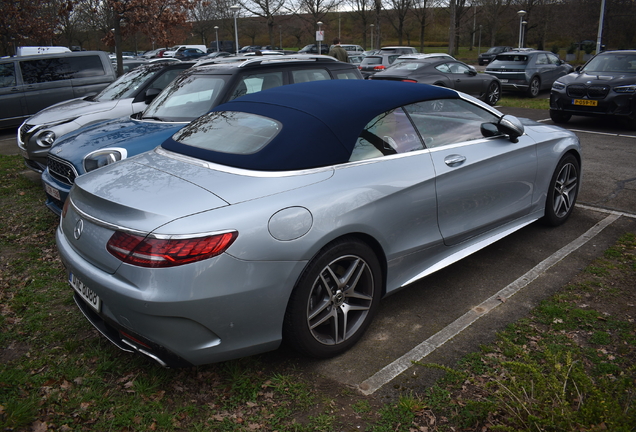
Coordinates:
column 445, row 73
column 528, row 71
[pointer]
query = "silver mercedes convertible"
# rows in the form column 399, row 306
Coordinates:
column 288, row 214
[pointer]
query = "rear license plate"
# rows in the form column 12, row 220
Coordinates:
column 85, row 292
column 584, row 102
column 52, row 191
column 503, row 80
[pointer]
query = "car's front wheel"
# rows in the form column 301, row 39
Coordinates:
column 335, row 299
column 493, row 94
column 534, row 87
column 562, row 192
column 560, row 116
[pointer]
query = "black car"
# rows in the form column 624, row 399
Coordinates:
column 604, row 86
column 445, row 73
column 313, row 49
column 376, row 63
column 492, row 52
column 528, row 71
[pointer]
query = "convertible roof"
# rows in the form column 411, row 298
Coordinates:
column 320, row 120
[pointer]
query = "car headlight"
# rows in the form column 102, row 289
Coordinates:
column 558, row 85
column 46, row 138
column 626, row 89
column 100, row 158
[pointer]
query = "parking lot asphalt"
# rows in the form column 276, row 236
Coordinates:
column 454, row 311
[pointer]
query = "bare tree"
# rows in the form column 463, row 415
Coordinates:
column 267, row 9
column 361, row 11
column 396, row 13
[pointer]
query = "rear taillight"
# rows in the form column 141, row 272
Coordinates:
column 408, row 80
column 379, row 68
column 158, row 253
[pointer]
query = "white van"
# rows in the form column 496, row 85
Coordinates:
column 34, row 50
column 170, row 52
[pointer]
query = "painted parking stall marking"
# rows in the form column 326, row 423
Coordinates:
column 392, row 370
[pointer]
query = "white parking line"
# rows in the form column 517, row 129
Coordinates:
column 386, row 374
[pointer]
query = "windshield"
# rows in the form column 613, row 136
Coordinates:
column 495, row 50
column 187, row 98
column 612, row 62
column 126, row 85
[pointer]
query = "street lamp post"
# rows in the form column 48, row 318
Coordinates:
column 235, row 10
column 216, row 31
column 371, row 25
column 521, row 14
column 319, row 36
column 523, row 33
column 280, row 34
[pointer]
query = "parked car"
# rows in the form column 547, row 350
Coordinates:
column 152, row 54
column 604, row 86
column 193, row 94
column 422, row 56
column 235, row 234
column 130, row 64
column 171, row 52
column 397, row 50
column 488, row 56
column 29, row 84
column 353, row 50
column 313, row 49
column 376, row 63
column 129, row 94
column 442, row 72
column 215, row 55
column 222, row 45
column 528, row 71
column 189, row 54
column 356, row 59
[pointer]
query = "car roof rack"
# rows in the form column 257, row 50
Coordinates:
column 258, row 60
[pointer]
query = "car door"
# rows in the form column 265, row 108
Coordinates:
column 464, row 78
column 46, row 82
column 547, row 71
column 13, row 106
column 481, row 183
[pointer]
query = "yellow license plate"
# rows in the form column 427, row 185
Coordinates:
column 584, row 102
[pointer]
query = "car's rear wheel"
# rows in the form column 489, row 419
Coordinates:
column 335, row 299
column 534, row 87
column 560, row 116
column 493, row 94
column 563, row 191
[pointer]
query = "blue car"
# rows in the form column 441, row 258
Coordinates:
column 191, row 95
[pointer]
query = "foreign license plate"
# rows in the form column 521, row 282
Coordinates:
column 584, row 102
column 52, row 191
column 85, row 292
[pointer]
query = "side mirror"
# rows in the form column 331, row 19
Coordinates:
column 578, row 69
column 489, row 130
column 151, row 93
column 471, row 72
column 511, row 126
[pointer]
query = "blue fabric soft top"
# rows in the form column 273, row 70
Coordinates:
column 321, row 121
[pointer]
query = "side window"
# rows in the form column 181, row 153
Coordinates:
column 85, row 66
column 553, row 59
column 257, row 82
column 7, row 75
column 306, row 75
column 448, row 121
column 443, row 68
column 166, row 78
column 387, row 134
column 458, row 68
column 346, row 75
column 542, row 59
column 44, row 70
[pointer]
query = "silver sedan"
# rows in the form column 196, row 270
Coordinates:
column 290, row 213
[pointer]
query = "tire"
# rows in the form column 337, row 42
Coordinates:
column 493, row 94
column 534, row 87
column 560, row 117
column 334, row 300
column 562, row 191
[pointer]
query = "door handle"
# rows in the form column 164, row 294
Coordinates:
column 454, row 160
